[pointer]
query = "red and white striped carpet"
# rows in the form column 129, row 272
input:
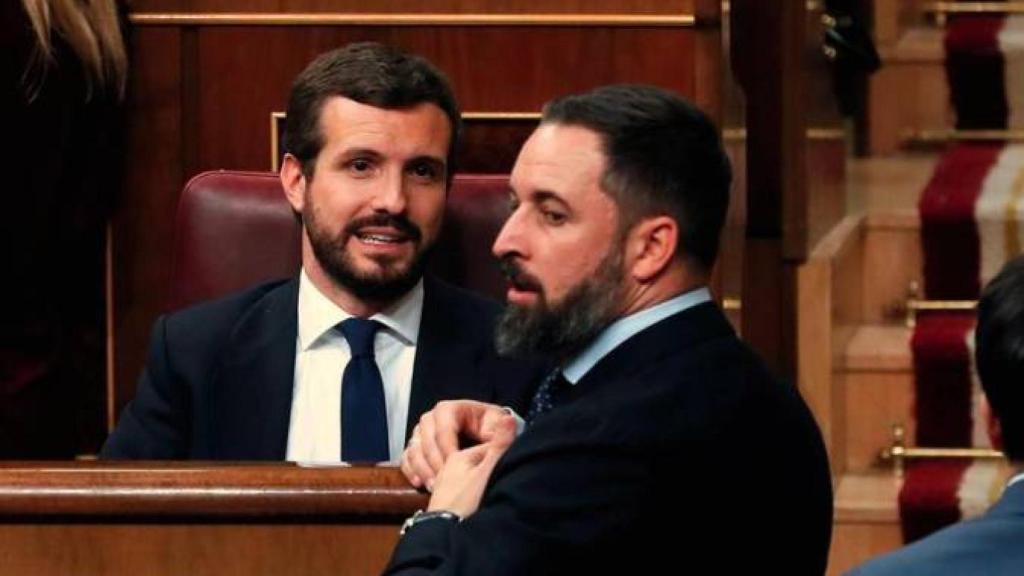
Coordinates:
column 971, row 224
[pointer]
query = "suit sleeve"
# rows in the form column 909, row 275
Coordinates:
column 549, row 508
column 156, row 423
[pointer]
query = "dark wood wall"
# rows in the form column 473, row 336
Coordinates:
column 202, row 93
column 796, row 151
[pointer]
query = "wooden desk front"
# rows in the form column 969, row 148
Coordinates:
column 195, row 519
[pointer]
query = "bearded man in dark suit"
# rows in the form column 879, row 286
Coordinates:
column 661, row 444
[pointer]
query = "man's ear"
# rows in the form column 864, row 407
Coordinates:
column 650, row 247
column 995, row 429
column 294, row 182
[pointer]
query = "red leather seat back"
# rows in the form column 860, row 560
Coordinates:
column 477, row 208
column 235, row 229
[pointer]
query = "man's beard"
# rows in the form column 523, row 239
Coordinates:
column 387, row 284
column 562, row 330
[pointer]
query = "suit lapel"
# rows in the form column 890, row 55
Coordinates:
column 254, row 386
column 447, row 356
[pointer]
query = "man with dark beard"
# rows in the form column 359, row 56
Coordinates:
column 661, row 444
column 332, row 365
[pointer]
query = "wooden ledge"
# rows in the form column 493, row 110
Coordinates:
column 891, row 185
column 206, row 490
column 906, row 219
column 868, row 498
column 921, row 45
column 879, row 349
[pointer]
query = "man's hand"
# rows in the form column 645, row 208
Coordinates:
column 437, row 435
column 459, row 486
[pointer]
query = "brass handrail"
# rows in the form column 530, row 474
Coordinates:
column 975, row 8
column 915, row 304
column 898, row 452
column 809, row 5
column 941, row 10
column 732, row 304
column 410, row 19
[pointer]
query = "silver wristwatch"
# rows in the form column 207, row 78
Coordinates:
column 421, row 516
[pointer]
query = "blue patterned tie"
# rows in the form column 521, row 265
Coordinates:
column 548, row 395
column 364, row 421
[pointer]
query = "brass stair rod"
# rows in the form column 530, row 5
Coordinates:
column 941, row 10
column 898, row 453
column 915, row 304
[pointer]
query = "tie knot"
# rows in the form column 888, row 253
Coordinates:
column 359, row 333
column 550, row 393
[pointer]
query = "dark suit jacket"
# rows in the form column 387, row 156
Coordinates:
column 677, row 452
column 219, row 378
column 989, row 544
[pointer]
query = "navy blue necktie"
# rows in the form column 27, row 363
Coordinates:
column 550, row 392
column 364, row 420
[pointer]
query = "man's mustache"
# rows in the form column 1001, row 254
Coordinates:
column 519, row 278
column 398, row 222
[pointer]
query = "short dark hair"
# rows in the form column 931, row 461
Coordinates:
column 664, row 157
column 368, row 73
column 999, row 352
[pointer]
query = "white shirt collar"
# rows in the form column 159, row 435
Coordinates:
column 318, row 314
column 625, row 328
column 1019, row 477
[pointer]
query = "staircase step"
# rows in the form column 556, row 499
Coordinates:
column 866, row 519
column 909, row 94
column 879, row 349
column 868, row 497
column 877, row 388
column 887, row 190
column 918, row 45
column 889, row 185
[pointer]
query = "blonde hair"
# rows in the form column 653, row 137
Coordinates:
column 92, row 31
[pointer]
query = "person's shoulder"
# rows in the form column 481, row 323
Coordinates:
column 230, row 305
column 458, row 303
column 213, row 320
column 979, row 545
column 924, row 556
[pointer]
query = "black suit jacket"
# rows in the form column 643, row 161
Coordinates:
column 676, row 453
column 991, row 544
column 219, row 378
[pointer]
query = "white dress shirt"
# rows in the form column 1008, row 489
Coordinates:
column 321, row 354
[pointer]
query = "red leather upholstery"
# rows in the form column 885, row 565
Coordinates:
column 235, row 229
column 477, row 209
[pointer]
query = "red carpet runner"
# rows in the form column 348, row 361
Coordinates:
column 970, row 215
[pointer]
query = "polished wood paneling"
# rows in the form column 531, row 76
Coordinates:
column 183, row 490
column 829, row 301
column 142, row 224
column 795, row 175
column 202, row 98
column 491, row 146
column 233, row 131
column 102, row 549
column 826, row 183
column 183, row 518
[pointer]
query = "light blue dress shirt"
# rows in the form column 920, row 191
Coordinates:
column 625, row 328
